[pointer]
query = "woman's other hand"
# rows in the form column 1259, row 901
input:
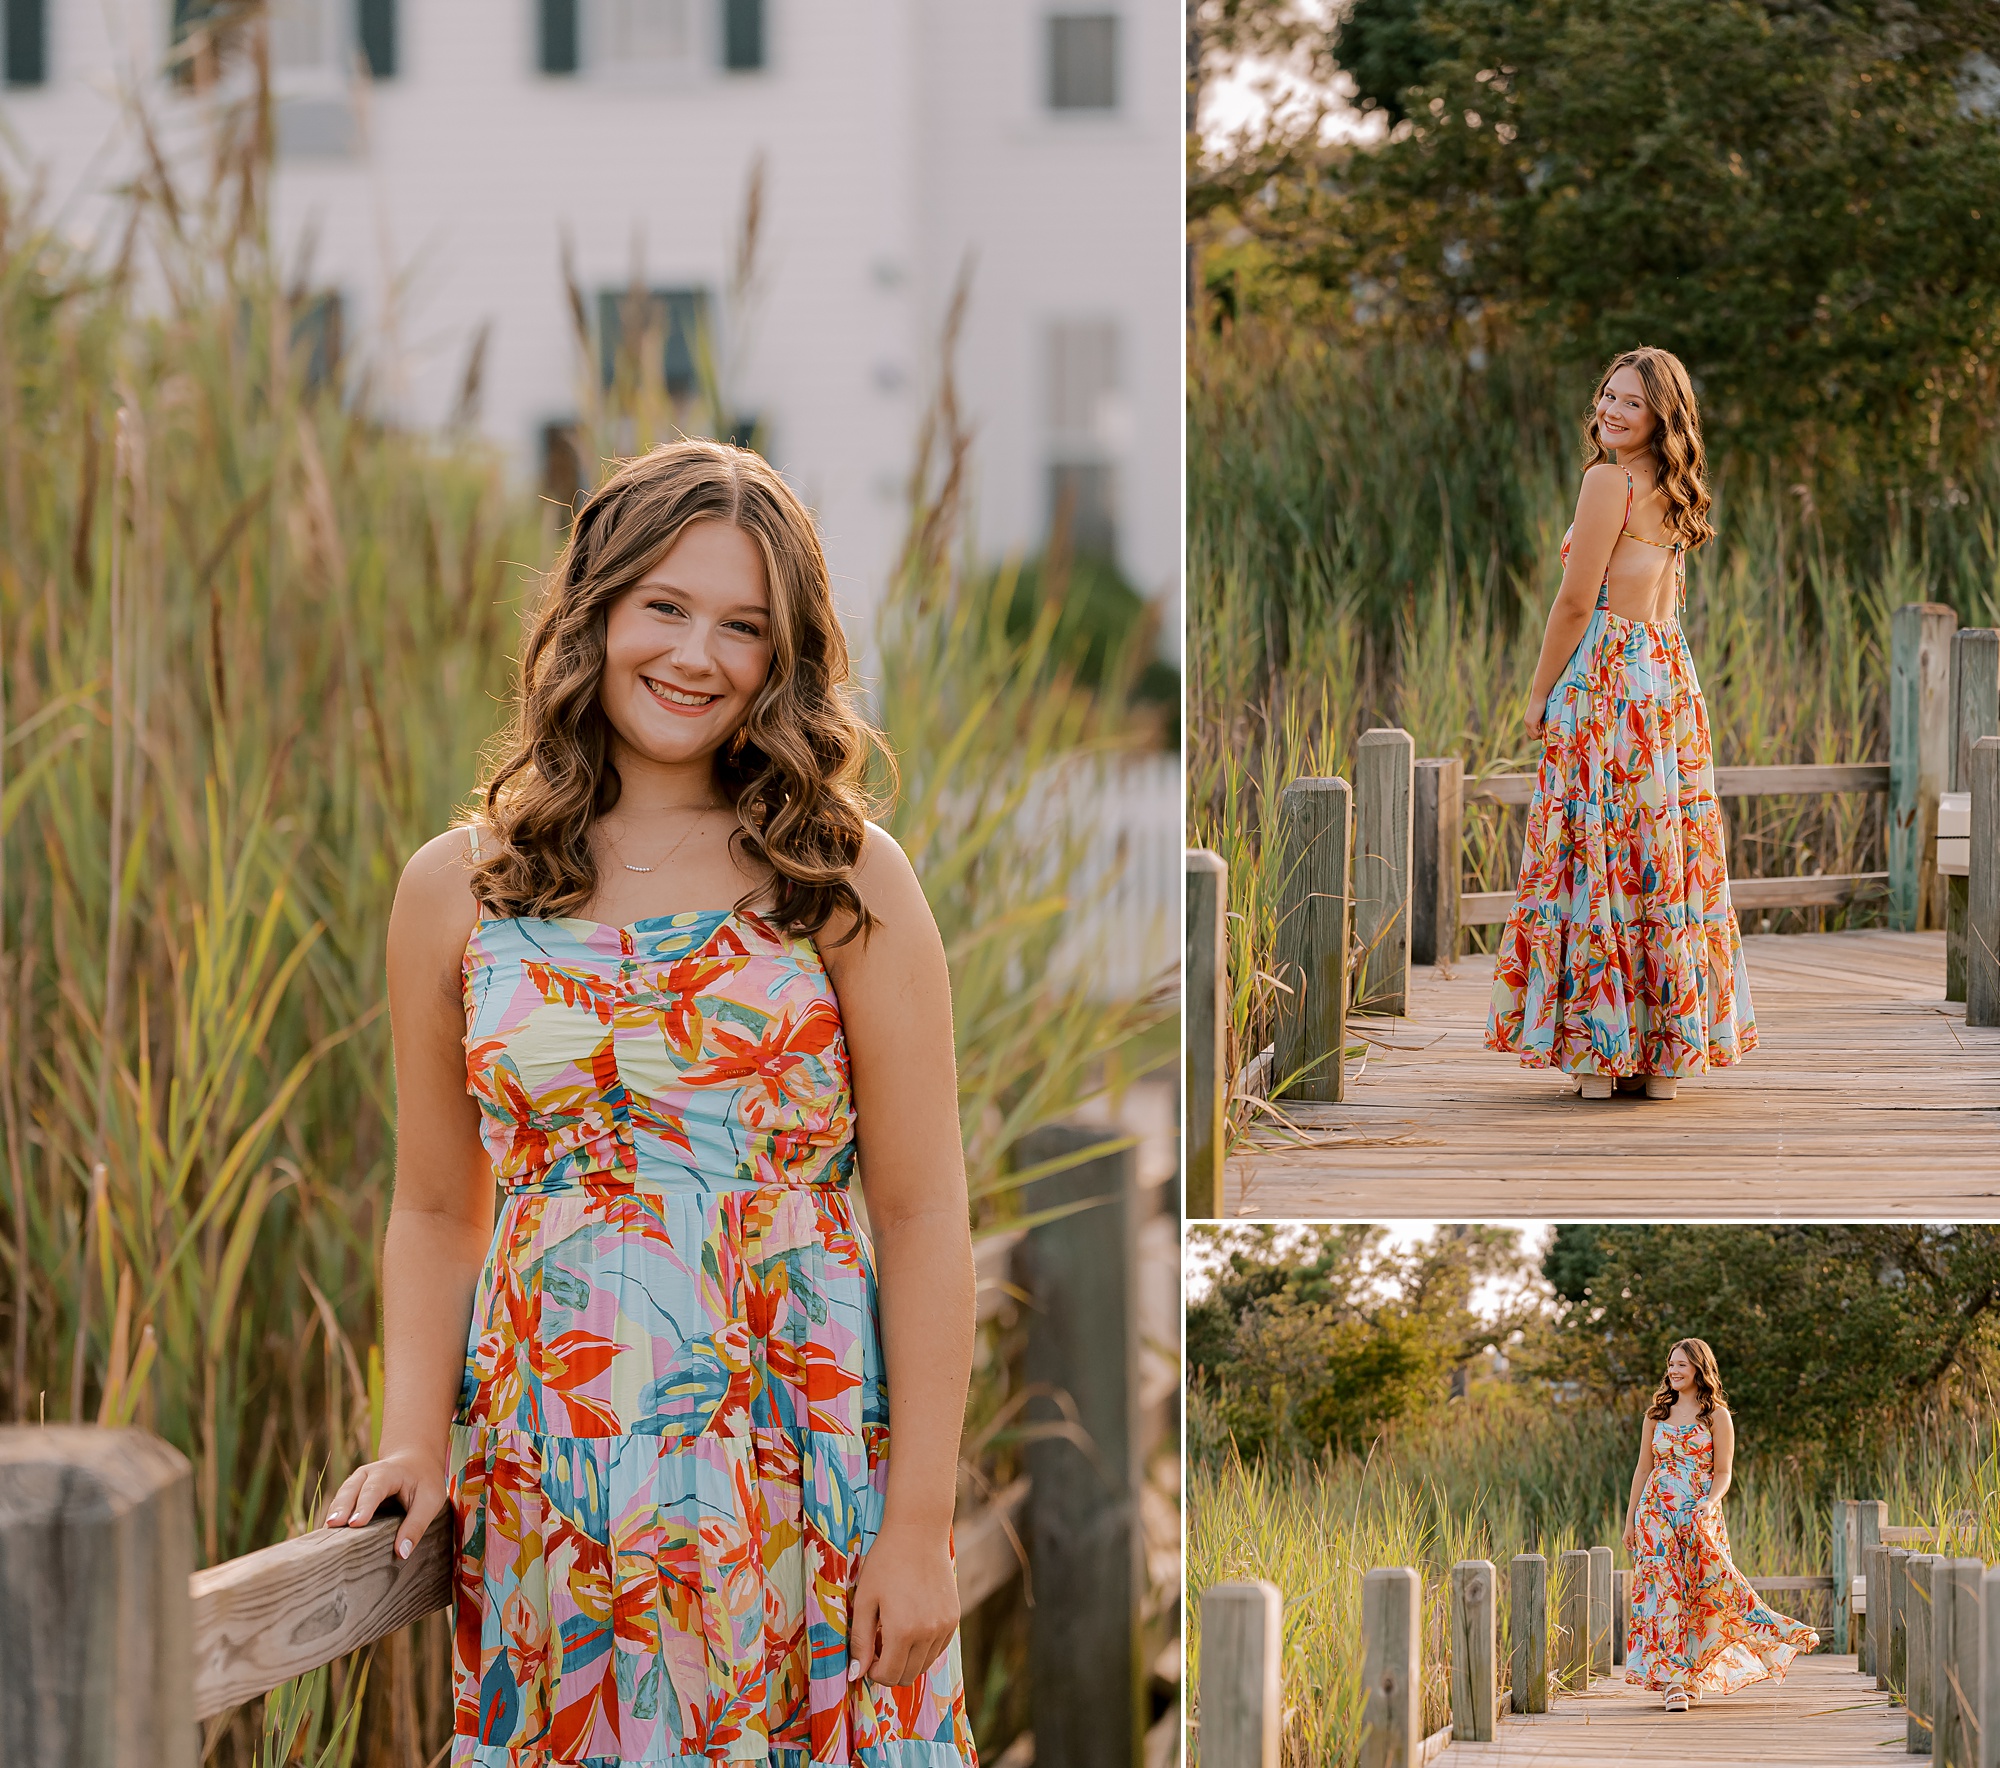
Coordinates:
column 418, row 1480
column 1537, row 718
column 1632, row 1539
column 905, row 1607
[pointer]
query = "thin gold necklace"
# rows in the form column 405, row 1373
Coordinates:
column 677, row 846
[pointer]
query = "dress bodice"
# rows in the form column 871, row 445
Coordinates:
column 697, row 1051
column 1684, row 1451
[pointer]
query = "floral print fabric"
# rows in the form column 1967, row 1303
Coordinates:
column 1696, row 1624
column 670, row 1447
column 1622, row 954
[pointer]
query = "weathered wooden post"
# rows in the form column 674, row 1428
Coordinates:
column 1919, row 758
column 1600, row 1611
column 1315, row 828
column 1982, row 897
column 1207, row 1025
column 1957, row 1677
column 1436, row 858
column 1384, row 784
column 1392, row 1601
column 1894, row 1671
column 1085, row 1546
column 1920, row 1633
column 1975, row 713
column 1944, row 1664
column 1989, row 1667
column 1475, row 1651
column 1242, row 1707
column 1573, row 1618
column 1840, row 1546
column 1621, row 1610
column 1528, row 1620
column 1865, row 1517
column 96, row 1648
column 1875, row 1580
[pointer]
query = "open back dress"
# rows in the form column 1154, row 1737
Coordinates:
column 670, row 1446
column 1622, row 954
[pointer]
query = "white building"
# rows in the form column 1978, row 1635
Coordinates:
column 1040, row 138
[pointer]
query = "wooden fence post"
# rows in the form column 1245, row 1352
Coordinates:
column 1919, row 759
column 1207, row 1022
column 1975, row 713
column 1920, row 1634
column 1436, row 858
column 1621, row 1609
column 1944, row 1664
column 1242, row 1706
column 1982, row 905
column 1528, row 1621
column 1315, row 828
column 1392, row 1602
column 1384, row 783
column 1085, row 1546
column 1573, row 1618
column 1475, row 1651
column 1865, row 1519
column 1841, row 1543
column 1957, row 1678
column 1893, row 1672
column 96, row 1549
column 1600, row 1611
column 1875, row 1582
column 1989, row 1667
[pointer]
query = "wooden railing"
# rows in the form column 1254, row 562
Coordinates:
column 1924, row 1645
column 115, row 1647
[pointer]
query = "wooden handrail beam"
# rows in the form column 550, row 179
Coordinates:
column 1730, row 782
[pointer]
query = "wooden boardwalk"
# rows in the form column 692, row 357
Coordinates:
column 1868, row 1096
column 1824, row 1713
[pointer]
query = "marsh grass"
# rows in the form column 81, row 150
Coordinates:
column 252, row 641
column 1373, row 539
column 1505, row 1472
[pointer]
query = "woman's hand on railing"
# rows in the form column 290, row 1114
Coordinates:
column 417, row 1480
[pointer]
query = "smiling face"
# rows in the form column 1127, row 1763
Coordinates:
column 1680, row 1372
column 1625, row 420
column 688, row 647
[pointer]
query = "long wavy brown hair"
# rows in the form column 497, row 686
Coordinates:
column 1676, row 442
column 793, row 768
column 1707, row 1382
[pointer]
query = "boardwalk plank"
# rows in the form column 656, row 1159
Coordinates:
column 1823, row 1714
column 1867, row 1096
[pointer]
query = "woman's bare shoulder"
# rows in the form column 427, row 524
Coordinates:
column 435, row 910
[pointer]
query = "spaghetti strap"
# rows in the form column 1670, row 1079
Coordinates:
column 472, row 830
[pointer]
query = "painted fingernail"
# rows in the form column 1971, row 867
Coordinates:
column 402, row 1550
column 854, row 1672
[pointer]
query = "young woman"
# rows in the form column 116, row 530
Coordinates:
column 1621, row 962
column 669, row 990
column 1696, row 1625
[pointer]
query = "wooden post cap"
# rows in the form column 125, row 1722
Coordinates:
column 96, row 1549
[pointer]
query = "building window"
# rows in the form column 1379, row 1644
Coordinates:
column 1084, row 423
column 323, row 37
column 742, row 35
column 1083, row 61
column 673, row 322
column 26, row 42
column 644, row 38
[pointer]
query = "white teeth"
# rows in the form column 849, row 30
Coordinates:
column 677, row 697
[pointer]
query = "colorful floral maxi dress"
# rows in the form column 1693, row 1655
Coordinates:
column 670, row 1446
column 1622, row 954
column 1696, row 1624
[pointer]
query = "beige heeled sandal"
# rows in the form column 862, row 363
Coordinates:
column 1596, row 1086
column 1659, row 1086
column 1677, row 1700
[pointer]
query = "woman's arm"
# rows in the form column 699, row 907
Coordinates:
column 1639, row 1474
column 895, row 1006
column 442, row 1214
column 1600, row 513
column 1722, row 1433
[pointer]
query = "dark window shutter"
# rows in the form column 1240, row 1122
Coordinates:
column 27, row 42
column 742, row 35
column 378, row 37
column 558, row 36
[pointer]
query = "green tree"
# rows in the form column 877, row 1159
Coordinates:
column 1824, row 1334
column 1800, row 199
column 1320, row 1337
